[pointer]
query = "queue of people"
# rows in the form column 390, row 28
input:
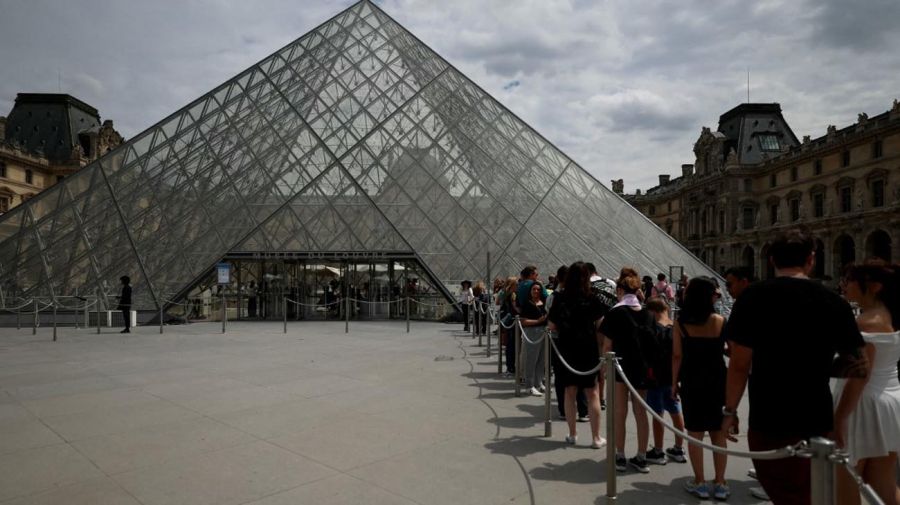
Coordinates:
column 788, row 338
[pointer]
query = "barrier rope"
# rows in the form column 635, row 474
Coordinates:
column 430, row 304
column 77, row 307
column 313, row 304
column 538, row 341
column 799, row 449
column 871, row 497
column 359, row 300
column 14, row 309
column 566, row 364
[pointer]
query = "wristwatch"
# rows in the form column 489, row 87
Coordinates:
column 728, row 412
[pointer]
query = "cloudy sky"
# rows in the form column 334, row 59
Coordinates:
column 622, row 86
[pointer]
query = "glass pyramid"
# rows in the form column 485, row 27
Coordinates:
column 355, row 137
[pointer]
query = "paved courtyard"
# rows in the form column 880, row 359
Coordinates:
column 316, row 416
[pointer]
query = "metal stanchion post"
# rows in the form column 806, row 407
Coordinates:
column 518, row 344
column 19, row 318
column 97, row 303
column 822, row 474
column 284, row 307
column 500, row 331
column 478, row 323
column 407, row 314
column 548, row 425
column 347, row 313
column 76, row 308
column 34, row 322
column 160, row 318
column 611, row 492
column 54, row 321
column 224, row 311
column 487, row 325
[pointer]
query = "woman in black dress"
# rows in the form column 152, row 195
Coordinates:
column 698, row 375
column 574, row 315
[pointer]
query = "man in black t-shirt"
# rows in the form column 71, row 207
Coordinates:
column 788, row 330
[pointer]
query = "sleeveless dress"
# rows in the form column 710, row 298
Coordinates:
column 873, row 428
column 702, row 376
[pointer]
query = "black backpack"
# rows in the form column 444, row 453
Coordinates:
column 648, row 370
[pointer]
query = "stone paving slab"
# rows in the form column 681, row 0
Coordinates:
column 316, row 416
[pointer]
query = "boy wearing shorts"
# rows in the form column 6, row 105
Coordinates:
column 660, row 398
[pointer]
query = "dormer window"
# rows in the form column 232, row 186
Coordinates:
column 769, row 143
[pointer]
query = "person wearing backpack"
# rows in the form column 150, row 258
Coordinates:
column 630, row 332
column 663, row 289
column 660, row 397
column 698, row 376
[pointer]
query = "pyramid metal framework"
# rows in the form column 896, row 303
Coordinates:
column 355, row 137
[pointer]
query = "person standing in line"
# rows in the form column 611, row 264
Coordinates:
column 465, row 299
column 788, row 330
column 574, row 315
column 698, row 376
column 621, row 331
column 534, row 320
column 660, row 398
column 507, row 317
column 867, row 410
column 605, row 291
column 481, row 302
column 558, row 368
column 737, row 279
column 125, row 302
column 663, row 289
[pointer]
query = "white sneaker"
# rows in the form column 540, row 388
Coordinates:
column 570, row 439
column 599, row 443
column 536, row 392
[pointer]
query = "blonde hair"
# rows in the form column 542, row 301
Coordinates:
column 478, row 289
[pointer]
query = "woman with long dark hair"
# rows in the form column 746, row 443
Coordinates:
column 698, row 376
column 867, row 413
column 533, row 317
column 574, row 315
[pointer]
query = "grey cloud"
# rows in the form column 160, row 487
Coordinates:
column 858, row 26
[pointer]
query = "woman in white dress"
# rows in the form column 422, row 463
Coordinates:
column 867, row 416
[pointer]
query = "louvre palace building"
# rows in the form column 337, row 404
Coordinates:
column 753, row 178
column 354, row 161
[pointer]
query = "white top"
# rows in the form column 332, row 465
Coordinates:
column 466, row 296
column 873, row 428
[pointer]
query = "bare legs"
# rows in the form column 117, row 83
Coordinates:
column 640, row 416
column 720, row 461
column 593, row 398
column 659, row 430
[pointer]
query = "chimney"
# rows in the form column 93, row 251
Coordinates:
column 664, row 179
column 687, row 170
column 618, row 186
column 637, row 192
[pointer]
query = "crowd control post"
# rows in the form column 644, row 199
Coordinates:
column 34, row 322
column 224, row 311
column 822, row 472
column 160, row 317
column 478, row 324
column 500, row 331
column 487, row 326
column 548, row 424
column 54, row 320
column 347, row 311
column 19, row 319
column 518, row 344
column 284, row 310
column 611, row 492
column 407, row 314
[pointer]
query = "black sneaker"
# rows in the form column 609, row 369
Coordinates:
column 656, row 456
column 602, row 404
column 676, row 454
column 639, row 463
column 621, row 463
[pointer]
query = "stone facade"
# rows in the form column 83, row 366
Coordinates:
column 46, row 138
column 743, row 190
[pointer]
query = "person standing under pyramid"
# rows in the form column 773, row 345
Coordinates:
column 125, row 302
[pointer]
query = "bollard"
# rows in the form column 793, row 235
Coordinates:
column 500, row 331
column 478, row 330
column 19, row 318
column 407, row 314
column 610, row 359
column 34, row 323
column 347, row 313
column 54, row 321
column 97, row 300
column 224, row 311
column 160, row 318
column 548, row 424
column 518, row 343
column 284, row 310
column 487, row 325
column 822, row 474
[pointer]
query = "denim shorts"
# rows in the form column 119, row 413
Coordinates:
column 660, row 399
